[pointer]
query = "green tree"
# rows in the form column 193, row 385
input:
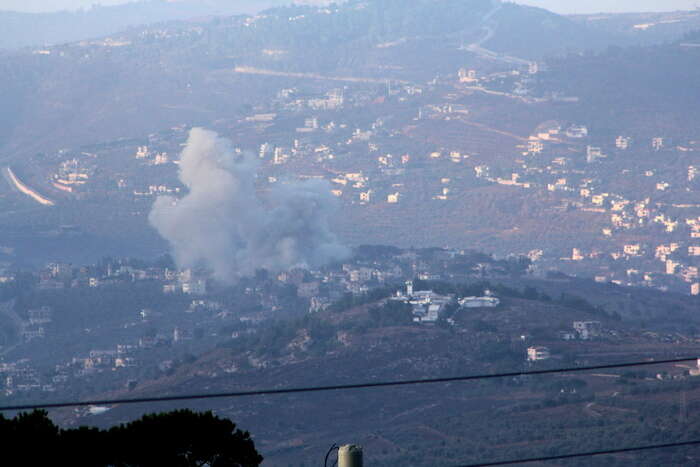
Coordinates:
column 22, row 434
column 182, row 438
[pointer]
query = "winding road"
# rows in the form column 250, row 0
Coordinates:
column 22, row 188
column 476, row 47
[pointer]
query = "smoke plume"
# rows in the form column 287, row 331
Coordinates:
column 223, row 226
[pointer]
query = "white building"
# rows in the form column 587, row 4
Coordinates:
column 427, row 305
column 429, row 313
column 577, row 131
column 593, row 153
column 467, row 76
column 487, row 301
column 538, row 353
column 198, row 287
column 623, row 142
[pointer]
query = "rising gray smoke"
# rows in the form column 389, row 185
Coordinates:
column 222, row 224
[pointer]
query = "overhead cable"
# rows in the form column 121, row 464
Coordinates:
column 337, row 387
column 586, row 454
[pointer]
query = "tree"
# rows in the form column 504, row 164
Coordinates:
column 83, row 447
column 22, row 434
column 179, row 439
column 392, row 313
column 182, row 438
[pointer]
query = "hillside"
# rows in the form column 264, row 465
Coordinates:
column 173, row 72
column 660, row 82
column 452, row 423
column 44, row 29
column 535, row 178
column 431, row 121
column 643, row 28
column 186, row 59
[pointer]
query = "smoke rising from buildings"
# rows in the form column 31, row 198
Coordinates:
column 223, row 225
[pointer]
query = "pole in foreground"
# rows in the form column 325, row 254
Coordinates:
column 350, row 455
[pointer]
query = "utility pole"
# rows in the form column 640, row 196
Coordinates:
column 350, row 455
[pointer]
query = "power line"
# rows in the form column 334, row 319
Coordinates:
column 586, row 454
column 338, row 387
column 335, row 447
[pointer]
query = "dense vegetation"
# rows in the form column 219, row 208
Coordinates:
column 637, row 81
column 527, row 32
column 180, row 438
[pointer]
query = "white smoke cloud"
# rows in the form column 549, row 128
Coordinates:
column 222, row 224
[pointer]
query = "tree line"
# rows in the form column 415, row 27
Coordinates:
column 181, row 438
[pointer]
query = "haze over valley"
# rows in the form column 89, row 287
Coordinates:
column 201, row 197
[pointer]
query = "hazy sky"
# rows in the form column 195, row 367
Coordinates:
column 595, row 6
column 560, row 6
column 52, row 5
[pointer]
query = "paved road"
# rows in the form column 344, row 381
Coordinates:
column 22, row 188
column 489, row 26
column 350, row 79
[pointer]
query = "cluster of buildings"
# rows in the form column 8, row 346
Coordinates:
column 623, row 184
column 326, row 132
column 565, row 160
column 57, row 276
column 428, row 306
column 20, row 376
column 35, row 326
column 315, row 290
column 74, row 173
